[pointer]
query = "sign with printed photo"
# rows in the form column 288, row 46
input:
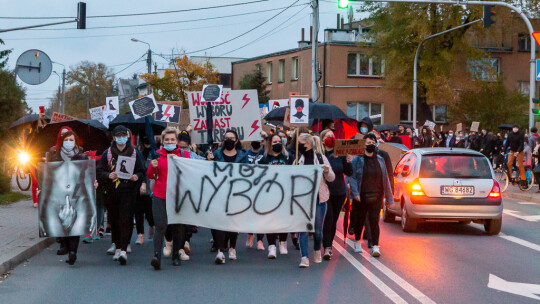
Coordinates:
column 124, row 167
column 143, row 106
column 112, row 104
column 168, row 113
column 299, row 110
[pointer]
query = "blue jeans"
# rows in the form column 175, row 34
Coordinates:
column 320, row 213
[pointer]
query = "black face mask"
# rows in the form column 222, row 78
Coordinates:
column 301, row 148
column 228, row 144
column 256, row 145
column 370, row 148
column 277, row 147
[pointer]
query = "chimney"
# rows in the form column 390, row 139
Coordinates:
column 338, row 18
column 303, row 43
column 303, row 34
column 342, row 21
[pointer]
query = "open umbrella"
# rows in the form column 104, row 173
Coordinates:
column 317, row 110
column 27, row 119
column 344, row 128
column 386, row 127
column 506, row 127
column 91, row 133
column 137, row 126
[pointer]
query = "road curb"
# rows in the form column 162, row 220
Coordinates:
column 26, row 254
column 535, row 199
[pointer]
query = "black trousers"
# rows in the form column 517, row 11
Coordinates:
column 143, row 207
column 162, row 228
column 371, row 209
column 71, row 243
column 224, row 238
column 335, row 204
column 120, row 215
column 272, row 237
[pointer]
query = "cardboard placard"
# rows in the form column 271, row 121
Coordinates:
column 97, row 113
column 57, row 117
column 394, row 152
column 349, row 146
column 474, row 126
column 184, row 120
column 143, row 106
column 124, row 167
column 459, row 127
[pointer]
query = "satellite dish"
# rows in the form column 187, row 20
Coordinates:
column 34, row 67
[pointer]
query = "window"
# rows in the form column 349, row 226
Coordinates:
column 486, row 69
column 455, row 166
column 524, row 42
column 405, row 112
column 359, row 64
column 359, row 110
column 281, row 70
column 440, row 114
column 524, row 87
column 269, row 72
column 294, row 68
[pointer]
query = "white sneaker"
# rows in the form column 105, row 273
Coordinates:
column 232, row 254
column 116, row 255
column 123, row 258
column 220, row 258
column 128, row 248
column 167, row 249
column 140, row 239
column 304, row 262
column 317, row 256
column 375, row 251
column 249, row 241
column 272, row 251
column 187, row 248
column 358, row 247
column 111, row 249
column 260, row 245
column 327, row 254
column 283, row 248
column 151, row 233
column 183, row 255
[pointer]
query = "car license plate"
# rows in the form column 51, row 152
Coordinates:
column 457, row 190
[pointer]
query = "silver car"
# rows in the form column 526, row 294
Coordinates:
column 445, row 184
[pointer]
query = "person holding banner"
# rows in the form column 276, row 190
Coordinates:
column 122, row 193
column 275, row 153
column 338, row 191
column 370, row 184
column 306, row 150
column 254, row 155
column 231, row 152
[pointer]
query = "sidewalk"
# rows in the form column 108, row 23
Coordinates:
column 529, row 196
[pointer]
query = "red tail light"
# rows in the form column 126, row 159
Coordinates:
column 496, row 190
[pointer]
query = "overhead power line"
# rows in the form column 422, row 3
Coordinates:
column 138, row 59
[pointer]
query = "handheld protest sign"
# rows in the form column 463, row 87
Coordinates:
column 97, row 113
column 430, row 124
column 108, row 116
column 168, row 113
column 474, row 126
column 211, row 92
column 299, row 110
column 57, row 117
column 112, row 104
column 124, row 167
column 459, row 127
column 349, row 146
column 143, row 106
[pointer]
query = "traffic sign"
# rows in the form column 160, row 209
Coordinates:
column 537, row 69
column 536, row 36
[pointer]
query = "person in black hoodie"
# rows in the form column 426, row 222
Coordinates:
column 338, row 191
column 515, row 142
column 122, row 193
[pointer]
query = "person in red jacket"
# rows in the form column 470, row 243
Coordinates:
column 158, row 171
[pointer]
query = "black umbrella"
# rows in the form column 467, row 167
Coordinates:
column 137, row 126
column 382, row 128
column 27, row 119
column 91, row 133
column 506, row 127
column 405, row 126
column 317, row 110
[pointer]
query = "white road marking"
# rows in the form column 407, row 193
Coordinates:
column 370, row 276
column 527, row 203
column 519, row 241
column 417, row 294
column 528, row 218
column 522, row 289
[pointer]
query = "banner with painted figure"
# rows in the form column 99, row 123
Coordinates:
column 242, row 197
column 67, row 202
column 168, row 113
column 236, row 109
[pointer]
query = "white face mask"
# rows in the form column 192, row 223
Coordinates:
column 68, row 145
column 515, row 130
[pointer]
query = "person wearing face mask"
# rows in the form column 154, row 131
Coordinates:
column 365, row 125
column 121, row 193
column 338, row 191
column 426, row 141
column 370, row 183
column 515, row 143
column 306, row 149
column 450, row 141
column 231, row 152
column 158, row 172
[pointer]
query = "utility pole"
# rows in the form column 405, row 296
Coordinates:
column 63, row 91
column 149, row 60
column 314, row 46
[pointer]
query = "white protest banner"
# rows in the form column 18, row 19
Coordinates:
column 111, row 103
column 124, row 167
column 474, row 126
column 168, row 113
column 108, row 116
column 236, row 110
column 97, row 113
column 242, row 197
column 299, row 110
column 143, row 106
column 277, row 103
column 430, row 124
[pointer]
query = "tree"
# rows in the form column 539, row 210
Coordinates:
column 256, row 80
column 186, row 76
column 12, row 101
column 89, row 81
column 492, row 104
column 3, row 56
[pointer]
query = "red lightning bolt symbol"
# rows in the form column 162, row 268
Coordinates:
column 166, row 114
column 246, row 99
column 254, row 127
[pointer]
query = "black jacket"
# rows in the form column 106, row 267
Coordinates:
column 388, row 164
column 515, row 141
column 103, row 170
column 341, row 167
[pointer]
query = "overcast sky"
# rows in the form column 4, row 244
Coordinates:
column 113, row 47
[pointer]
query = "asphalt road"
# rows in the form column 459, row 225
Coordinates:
column 441, row 263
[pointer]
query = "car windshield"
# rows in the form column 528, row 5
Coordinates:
column 455, row 166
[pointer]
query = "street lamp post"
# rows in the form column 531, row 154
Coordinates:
column 59, row 92
column 148, row 57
